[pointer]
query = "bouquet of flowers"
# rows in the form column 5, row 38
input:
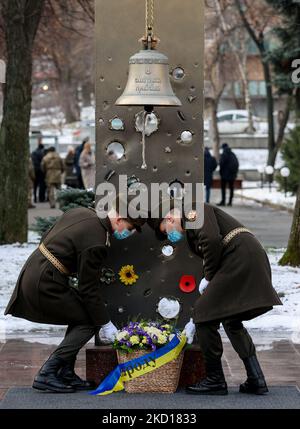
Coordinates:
column 147, row 336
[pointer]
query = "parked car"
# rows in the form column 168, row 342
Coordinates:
column 234, row 122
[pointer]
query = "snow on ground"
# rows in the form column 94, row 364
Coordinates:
column 285, row 318
column 254, row 191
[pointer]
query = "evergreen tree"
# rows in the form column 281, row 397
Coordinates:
column 288, row 50
column 69, row 198
column 291, row 156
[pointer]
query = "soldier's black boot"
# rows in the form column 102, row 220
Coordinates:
column 213, row 384
column 47, row 378
column 255, row 383
column 68, row 375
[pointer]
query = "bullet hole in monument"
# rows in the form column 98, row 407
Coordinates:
column 119, row 88
column 196, row 158
column 178, row 73
column 121, row 310
column 192, row 98
column 128, row 294
column 169, row 134
column 109, row 175
column 196, row 64
column 101, row 78
column 186, row 137
column 181, row 115
column 168, row 149
column 105, row 105
column 147, row 293
column 101, row 121
column 192, row 88
column 167, row 250
column 154, row 169
column 116, row 124
column 188, row 173
column 115, row 151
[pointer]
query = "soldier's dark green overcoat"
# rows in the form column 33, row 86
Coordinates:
column 79, row 240
column 239, row 274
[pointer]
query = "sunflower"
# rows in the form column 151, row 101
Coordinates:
column 127, row 275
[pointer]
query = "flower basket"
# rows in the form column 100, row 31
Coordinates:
column 162, row 380
column 138, row 339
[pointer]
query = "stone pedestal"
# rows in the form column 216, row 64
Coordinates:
column 101, row 360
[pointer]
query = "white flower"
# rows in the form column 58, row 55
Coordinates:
column 122, row 335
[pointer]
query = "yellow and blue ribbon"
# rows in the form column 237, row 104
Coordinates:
column 134, row 368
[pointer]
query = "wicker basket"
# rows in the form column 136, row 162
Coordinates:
column 162, row 380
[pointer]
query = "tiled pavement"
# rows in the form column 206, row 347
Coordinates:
column 20, row 360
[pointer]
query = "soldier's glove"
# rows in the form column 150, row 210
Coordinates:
column 203, row 285
column 189, row 331
column 107, row 333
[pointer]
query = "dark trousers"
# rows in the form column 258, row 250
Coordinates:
column 211, row 343
column 223, row 189
column 207, row 193
column 40, row 186
column 75, row 338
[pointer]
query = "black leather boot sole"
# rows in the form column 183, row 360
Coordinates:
column 221, row 392
column 48, row 388
column 253, row 390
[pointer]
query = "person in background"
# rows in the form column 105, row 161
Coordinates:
column 39, row 182
column 210, row 164
column 70, row 169
column 31, row 179
column 78, row 152
column 53, row 167
column 229, row 167
column 87, row 164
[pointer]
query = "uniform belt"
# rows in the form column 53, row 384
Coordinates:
column 228, row 237
column 54, row 261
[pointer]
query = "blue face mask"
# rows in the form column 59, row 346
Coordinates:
column 175, row 236
column 123, row 234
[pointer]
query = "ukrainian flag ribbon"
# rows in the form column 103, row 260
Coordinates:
column 140, row 366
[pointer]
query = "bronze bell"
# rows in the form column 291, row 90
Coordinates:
column 148, row 81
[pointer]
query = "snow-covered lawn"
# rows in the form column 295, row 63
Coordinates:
column 254, row 191
column 286, row 281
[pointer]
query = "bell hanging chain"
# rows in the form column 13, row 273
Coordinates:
column 149, row 18
column 149, row 40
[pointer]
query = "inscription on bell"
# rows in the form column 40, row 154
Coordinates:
column 148, row 84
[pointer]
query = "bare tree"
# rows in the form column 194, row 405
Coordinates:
column 214, row 76
column 258, row 18
column 19, row 20
column 235, row 37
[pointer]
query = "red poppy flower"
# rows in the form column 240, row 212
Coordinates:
column 187, row 284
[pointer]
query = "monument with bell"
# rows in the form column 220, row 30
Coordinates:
column 149, row 105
